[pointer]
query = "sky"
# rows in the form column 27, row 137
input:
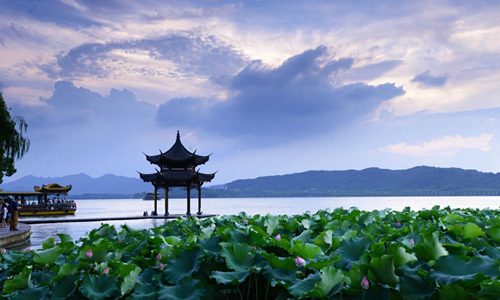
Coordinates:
column 265, row 87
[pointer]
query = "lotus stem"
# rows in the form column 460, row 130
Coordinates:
column 241, row 296
column 256, row 288
column 249, row 285
column 268, row 282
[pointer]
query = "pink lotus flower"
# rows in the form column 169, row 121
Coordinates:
column 28, row 248
column 278, row 237
column 4, row 250
column 120, row 240
column 412, row 241
column 365, row 284
column 158, row 257
column 161, row 266
column 398, row 224
column 106, row 271
column 170, row 245
column 300, row 262
column 246, row 222
column 255, row 247
column 88, row 254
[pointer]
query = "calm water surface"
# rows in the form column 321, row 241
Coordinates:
column 231, row 206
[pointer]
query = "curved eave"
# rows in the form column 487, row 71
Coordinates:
column 164, row 160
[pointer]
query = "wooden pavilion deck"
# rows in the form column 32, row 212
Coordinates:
column 71, row 220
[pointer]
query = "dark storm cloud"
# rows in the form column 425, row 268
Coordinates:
column 200, row 55
column 281, row 104
column 427, row 80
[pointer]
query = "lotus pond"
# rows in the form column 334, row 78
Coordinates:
column 341, row 254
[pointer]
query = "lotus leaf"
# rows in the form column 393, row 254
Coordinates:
column 271, row 223
column 415, row 286
column 450, row 269
column 351, row 251
column 238, row 256
column 183, row 265
column 302, row 287
column 65, row 287
column 100, row 287
column 401, row 257
column 188, row 289
column 287, row 263
column 330, row 277
column 383, row 269
column 234, row 278
column 19, row 282
column 430, row 248
column 47, row 257
column 34, row 293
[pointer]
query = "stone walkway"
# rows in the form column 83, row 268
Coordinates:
column 10, row 238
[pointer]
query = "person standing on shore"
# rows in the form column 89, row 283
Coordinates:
column 15, row 214
column 3, row 213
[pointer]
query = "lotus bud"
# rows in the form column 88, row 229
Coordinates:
column 4, row 250
column 246, row 222
column 300, row 262
column 278, row 237
column 170, row 245
column 398, row 224
column 88, row 254
column 120, row 240
column 106, row 271
column 412, row 241
column 158, row 257
column 161, row 266
column 365, row 284
column 255, row 247
column 28, row 248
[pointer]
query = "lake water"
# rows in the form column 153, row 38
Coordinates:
column 231, row 206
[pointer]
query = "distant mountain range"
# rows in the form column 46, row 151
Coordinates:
column 418, row 181
column 84, row 184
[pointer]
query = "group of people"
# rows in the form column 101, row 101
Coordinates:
column 9, row 213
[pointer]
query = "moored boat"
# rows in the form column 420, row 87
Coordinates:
column 151, row 196
column 39, row 202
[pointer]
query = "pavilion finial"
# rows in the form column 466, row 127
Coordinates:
column 178, row 136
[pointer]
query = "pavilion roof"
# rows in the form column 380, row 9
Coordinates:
column 177, row 156
column 53, row 188
column 177, row 178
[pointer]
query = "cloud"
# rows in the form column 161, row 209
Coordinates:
column 429, row 81
column 446, row 145
column 372, row 71
column 191, row 54
column 81, row 109
column 281, row 104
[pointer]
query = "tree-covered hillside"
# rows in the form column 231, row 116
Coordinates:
column 373, row 182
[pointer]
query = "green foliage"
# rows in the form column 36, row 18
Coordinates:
column 13, row 145
column 431, row 254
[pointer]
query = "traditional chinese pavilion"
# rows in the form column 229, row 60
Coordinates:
column 54, row 188
column 177, row 169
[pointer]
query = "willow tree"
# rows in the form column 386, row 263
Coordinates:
column 13, row 145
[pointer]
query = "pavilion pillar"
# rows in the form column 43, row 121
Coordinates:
column 188, row 201
column 199, row 200
column 156, row 201
column 166, row 201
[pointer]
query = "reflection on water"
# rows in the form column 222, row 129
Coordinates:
column 232, row 206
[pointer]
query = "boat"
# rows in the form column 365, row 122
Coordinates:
column 43, row 201
column 151, row 196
